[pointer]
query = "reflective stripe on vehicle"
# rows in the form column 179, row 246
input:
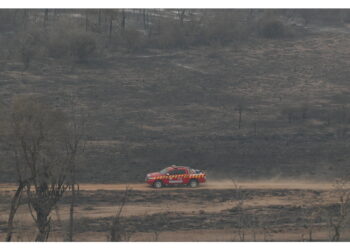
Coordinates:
column 195, row 176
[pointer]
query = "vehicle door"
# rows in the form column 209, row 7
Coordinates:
column 175, row 177
column 185, row 175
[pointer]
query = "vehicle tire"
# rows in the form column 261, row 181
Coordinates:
column 158, row 184
column 193, row 183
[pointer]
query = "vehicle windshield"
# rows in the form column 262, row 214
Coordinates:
column 164, row 171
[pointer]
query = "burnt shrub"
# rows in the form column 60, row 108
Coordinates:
column 132, row 40
column 170, row 34
column 82, row 46
column 272, row 29
column 223, row 28
column 28, row 45
column 57, row 45
column 76, row 44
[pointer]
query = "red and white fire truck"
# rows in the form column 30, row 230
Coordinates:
column 176, row 175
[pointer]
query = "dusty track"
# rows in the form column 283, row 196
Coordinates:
column 204, row 213
column 225, row 184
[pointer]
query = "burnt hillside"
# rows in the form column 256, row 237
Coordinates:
column 251, row 107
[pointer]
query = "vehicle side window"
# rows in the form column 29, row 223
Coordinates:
column 178, row 171
column 173, row 172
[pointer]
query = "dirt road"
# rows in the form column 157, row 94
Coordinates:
column 223, row 184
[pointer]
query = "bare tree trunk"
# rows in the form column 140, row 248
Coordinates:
column 310, row 235
column 181, row 15
column 115, row 232
column 336, row 235
column 86, row 20
column 14, row 206
column 144, row 19
column 99, row 19
column 46, row 17
column 123, row 20
column 71, row 213
column 110, row 27
column 239, row 118
column 44, row 226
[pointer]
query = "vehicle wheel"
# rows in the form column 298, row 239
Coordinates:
column 193, row 183
column 158, row 184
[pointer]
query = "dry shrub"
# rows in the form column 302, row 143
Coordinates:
column 57, row 45
column 74, row 43
column 223, row 27
column 338, row 216
column 272, row 28
column 82, row 46
column 29, row 44
column 132, row 40
column 170, row 34
column 324, row 16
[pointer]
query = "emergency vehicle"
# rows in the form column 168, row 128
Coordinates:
column 176, row 175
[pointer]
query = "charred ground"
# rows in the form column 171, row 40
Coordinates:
column 172, row 214
column 154, row 107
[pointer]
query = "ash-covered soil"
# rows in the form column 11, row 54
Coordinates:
column 244, row 213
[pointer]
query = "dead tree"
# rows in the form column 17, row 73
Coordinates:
column 16, row 199
column 43, row 162
column 86, row 20
column 75, row 145
column 181, row 15
column 123, row 19
column 310, row 212
column 117, row 231
column 27, row 50
column 15, row 202
column 46, row 17
column 240, row 197
column 99, row 19
column 144, row 15
column 73, row 185
column 240, row 111
column 110, row 29
column 338, row 217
